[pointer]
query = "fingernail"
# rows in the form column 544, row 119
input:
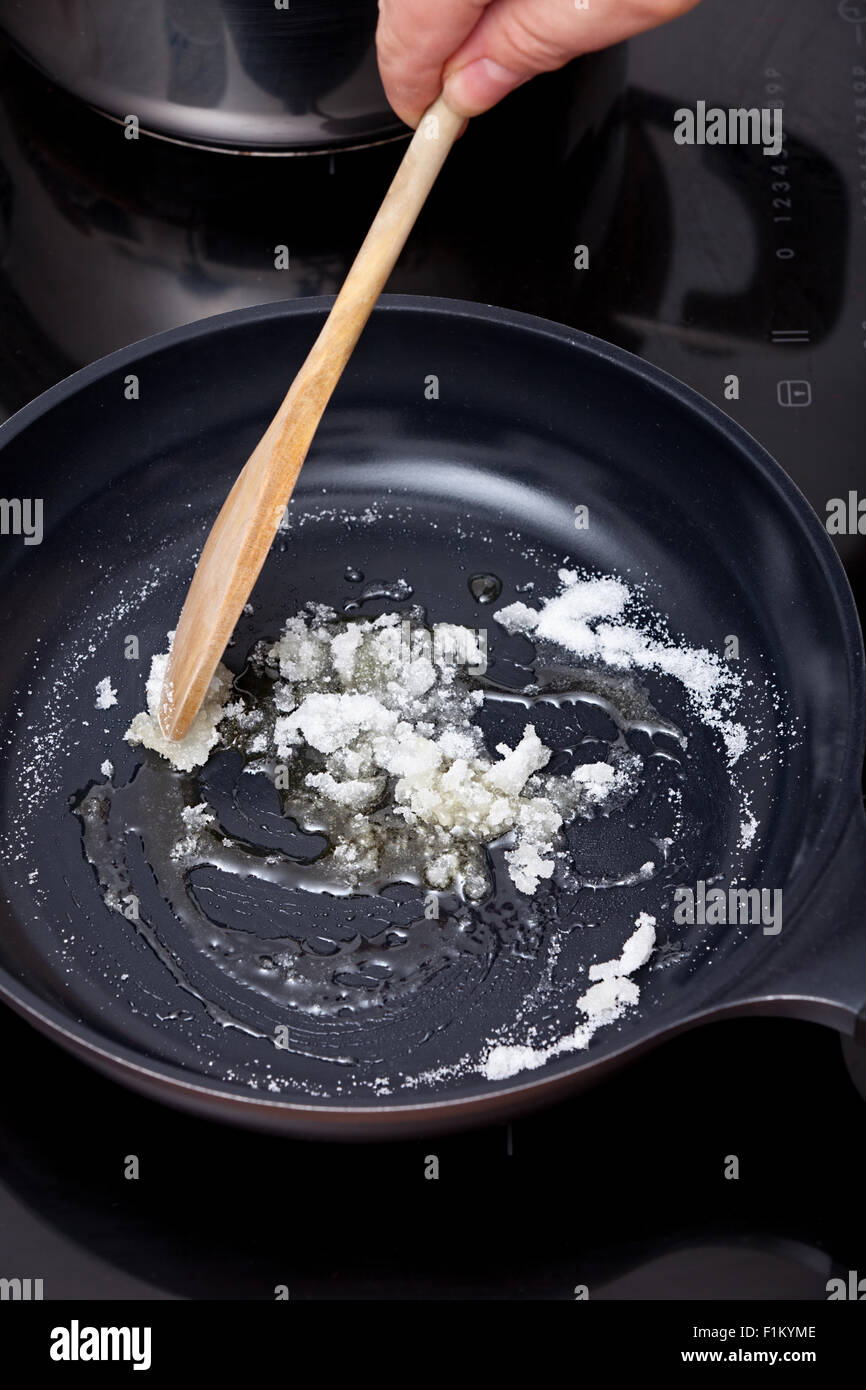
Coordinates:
column 479, row 86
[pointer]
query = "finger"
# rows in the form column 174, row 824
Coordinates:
column 413, row 40
column 515, row 39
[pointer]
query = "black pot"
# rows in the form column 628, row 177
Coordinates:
column 240, row 74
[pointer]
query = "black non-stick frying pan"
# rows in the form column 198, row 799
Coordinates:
column 429, row 481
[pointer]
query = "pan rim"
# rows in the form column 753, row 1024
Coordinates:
column 155, row 1076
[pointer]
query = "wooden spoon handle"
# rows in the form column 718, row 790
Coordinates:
column 244, row 531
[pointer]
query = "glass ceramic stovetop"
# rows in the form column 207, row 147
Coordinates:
column 712, row 264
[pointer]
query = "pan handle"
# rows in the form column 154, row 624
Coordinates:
column 824, row 979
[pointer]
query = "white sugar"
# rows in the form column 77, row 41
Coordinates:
column 382, row 706
column 518, row 617
column 330, row 722
column 635, row 953
column 748, row 826
column 604, row 1002
column 586, row 619
column 194, row 748
column 106, row 695
column 595, row 779
column 195, row 819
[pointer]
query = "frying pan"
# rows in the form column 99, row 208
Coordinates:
column 431, row 481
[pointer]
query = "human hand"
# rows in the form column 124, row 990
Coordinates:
column 478, row 51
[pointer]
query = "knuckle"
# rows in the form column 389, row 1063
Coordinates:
column 387, row 46
column 524, row 36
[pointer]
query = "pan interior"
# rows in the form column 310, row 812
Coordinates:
column 457, row 445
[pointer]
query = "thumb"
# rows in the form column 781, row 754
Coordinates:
column 480, row 85
column 514, row 40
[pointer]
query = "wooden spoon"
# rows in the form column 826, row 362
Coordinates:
column 243, row 532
